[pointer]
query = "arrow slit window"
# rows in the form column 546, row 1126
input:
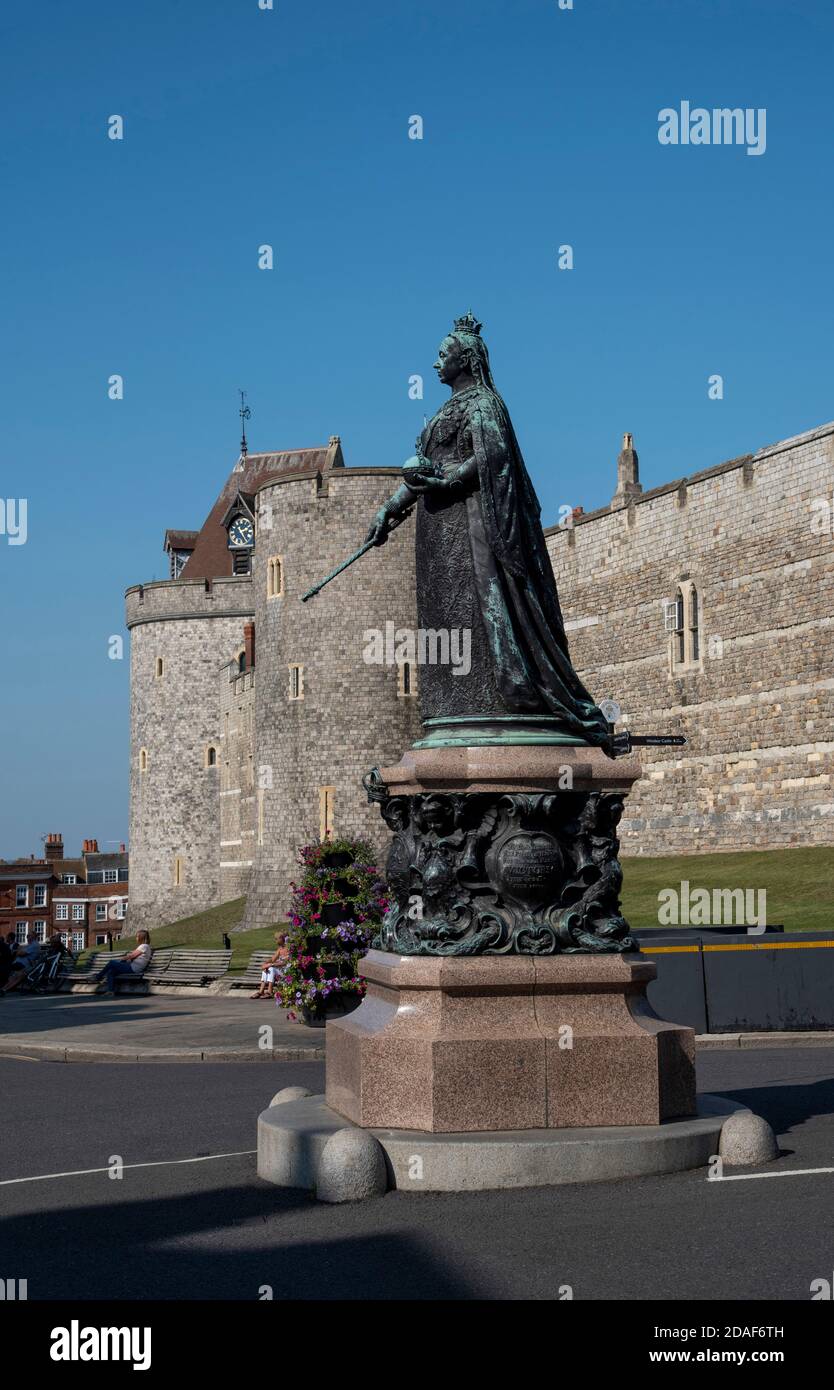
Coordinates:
column 327, row 796
column 275, row 577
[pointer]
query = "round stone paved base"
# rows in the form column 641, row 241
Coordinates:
column 291, row 1138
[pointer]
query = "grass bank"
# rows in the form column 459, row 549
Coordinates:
column 206, row 929
column 799, row 884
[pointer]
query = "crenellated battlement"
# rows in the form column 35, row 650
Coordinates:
column 724, row 481
column 169, row 600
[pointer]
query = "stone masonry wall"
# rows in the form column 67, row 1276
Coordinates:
column 236, row 755
column 758, row 708
column 174, row 804
column 350, row 717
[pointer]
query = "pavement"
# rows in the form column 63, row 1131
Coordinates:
column 141, row 1183
column 150, row 1028
column 218, row 1028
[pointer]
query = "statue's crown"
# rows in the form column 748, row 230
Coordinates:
column 468, row 324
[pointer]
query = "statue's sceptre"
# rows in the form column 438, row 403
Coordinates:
column 415, row 471
column 393, row 523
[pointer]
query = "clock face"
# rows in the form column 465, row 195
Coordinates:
column 241, row 532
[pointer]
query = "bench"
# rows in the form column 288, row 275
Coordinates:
column 159, row 962
column 169, row 966
column 82, row 972
column 181, row 966
column 251, row 976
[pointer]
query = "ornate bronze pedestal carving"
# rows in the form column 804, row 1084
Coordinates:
column 500, row 874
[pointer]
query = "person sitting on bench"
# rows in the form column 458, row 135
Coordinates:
column 134, row 963
column 272, row 967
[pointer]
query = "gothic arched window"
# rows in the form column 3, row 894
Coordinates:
column 680, row 629
column 694, row 620
column 685, row 627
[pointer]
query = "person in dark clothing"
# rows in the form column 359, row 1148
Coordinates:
column 7, row 954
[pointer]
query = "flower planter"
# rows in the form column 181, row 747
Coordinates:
column 336, row 1006
column 339, row 886
column 336, row 859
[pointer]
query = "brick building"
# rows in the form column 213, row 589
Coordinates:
column 83, row 900
column 26, row 887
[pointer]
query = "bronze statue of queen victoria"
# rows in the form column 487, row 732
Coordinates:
column 530, row 872
column 482, row 565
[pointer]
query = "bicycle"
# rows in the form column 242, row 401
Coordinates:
column 43, row 977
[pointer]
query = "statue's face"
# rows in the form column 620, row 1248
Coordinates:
column 435, row 814
column 450, row 362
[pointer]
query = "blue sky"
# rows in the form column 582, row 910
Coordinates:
column 290, row 127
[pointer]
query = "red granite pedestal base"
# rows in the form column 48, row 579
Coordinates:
column 452, row 1045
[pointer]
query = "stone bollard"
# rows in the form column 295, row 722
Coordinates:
column 351, row 1167
column 289, row 1093
column 747, row 1138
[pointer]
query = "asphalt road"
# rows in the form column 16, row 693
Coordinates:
column 214, row 1230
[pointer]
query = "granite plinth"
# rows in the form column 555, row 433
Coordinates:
column 492, row 1043
column 510, row 768
column 292, row 1139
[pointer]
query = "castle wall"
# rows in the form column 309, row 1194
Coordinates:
column 236, row 752
column 758, row 707
column 175, row 803
column 350, row 717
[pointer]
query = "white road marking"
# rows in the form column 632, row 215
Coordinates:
column 783, row 1173
column 159, row 1163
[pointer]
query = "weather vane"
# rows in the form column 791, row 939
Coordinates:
column 245, row 414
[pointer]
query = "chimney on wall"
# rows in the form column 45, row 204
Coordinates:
column 90, row 847
column 628, row 474
column 249, row 644
column 54, row 847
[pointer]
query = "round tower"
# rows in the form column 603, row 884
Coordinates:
column 331, row 699
column 182, row 632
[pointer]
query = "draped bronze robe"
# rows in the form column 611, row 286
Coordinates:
column 482, row 563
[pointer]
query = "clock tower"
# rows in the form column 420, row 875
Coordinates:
column 239, row 524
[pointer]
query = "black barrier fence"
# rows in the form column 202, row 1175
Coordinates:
column 718, row 980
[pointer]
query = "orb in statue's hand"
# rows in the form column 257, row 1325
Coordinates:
column 420, row 474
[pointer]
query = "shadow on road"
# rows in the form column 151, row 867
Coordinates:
column 786, row 1105
column 129, row 1250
